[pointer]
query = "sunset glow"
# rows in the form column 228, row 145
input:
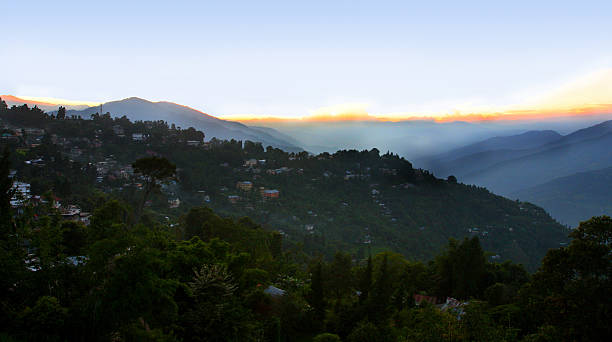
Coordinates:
column 56, row 101
column 588, row 95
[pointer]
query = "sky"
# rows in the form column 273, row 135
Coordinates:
column 289, row 59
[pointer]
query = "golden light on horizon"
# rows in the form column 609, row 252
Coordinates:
column 588, row 95
column 58, row 101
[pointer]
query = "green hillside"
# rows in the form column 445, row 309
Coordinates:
column 350, row 200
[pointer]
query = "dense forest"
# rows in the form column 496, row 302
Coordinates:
column 139, row 270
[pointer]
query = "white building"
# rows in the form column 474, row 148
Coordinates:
column 22, row 193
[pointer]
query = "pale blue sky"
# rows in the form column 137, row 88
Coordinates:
column 289, row 58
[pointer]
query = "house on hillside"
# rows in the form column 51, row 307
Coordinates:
column 74, row 213
column 274, row 291
column 418, row 299
column 138, row 137
column 118, row 130
column 34, row 132
column 22, row 194
column 271, row 194
column 244, row 186
column 278, row 171
column 174, row 202
column 454, row 306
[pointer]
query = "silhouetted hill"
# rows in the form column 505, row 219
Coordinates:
column 522, row 141
column 573, row 198
column 591, row 132
column 139, row 109
column 554, row 171
column 477, row 156
column 584, row 150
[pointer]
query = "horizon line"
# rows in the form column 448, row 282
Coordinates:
column 354, row 114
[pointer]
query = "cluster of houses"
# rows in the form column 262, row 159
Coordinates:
column 278, row 171
column 450, row 305
column 252, row 163
column 31, row 137
column 110, row 168
column 375, row 193
column 21, row 194
column 246, row 186
column 120, row 132
column 22, row 197
column 348, row 175
column 477, row 231
column 254, row 166
column 74, row 213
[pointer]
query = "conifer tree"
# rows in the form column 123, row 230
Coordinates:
column 366, row 282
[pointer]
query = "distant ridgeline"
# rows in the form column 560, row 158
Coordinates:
column 355, row 201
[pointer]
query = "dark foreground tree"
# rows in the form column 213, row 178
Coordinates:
column 571, row 291
column 153, row 170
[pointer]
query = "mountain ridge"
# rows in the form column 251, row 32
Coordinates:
column 136, row 108
column 574, row 198
column 538, row 173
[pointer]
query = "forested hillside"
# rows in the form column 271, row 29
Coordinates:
column 350, row 200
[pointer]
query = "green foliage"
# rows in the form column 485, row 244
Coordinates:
column 253, row 277
column 108, row 221
column 316, row 296
column 153, row 170
column 326, row 337
column 427, row 324
column 569, row 291
column 339, row 276
column 214, row 315
column 45, row 321
column 461, row 269
column 365, row 282
column 368, row 332
column 379, row 299
column 6, row 193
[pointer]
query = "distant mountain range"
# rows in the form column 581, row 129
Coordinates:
column 539, row 166
column 574, row 198
column 136, row 108
column 139, row 109
column 474, row 157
